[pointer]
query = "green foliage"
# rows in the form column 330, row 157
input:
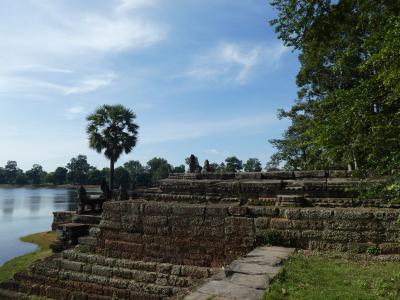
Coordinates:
column 347, row 111
column 159, row 168
column 233, row 164
column 21, row 178
column 137, row 173
column 122, row 177
column 21, row 263
column 252, row 165
column 112, row 129
column 179, row 169
column 95, row 176
column 78, row 169
column 330, row 276
column 388, row 189
column 36, row 174
column 60, row 175
column 271, row 237
column 373, row 250
column 11, row 171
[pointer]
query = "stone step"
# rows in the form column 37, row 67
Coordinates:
column 164, row 268
column 94, row 231
column 88, row 241
column 127, row 274
column 290, row 200
column 68, row 282
column 86, row 219
column 12, row 295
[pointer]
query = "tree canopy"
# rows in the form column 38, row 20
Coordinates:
column 112, row 129
column 347, row 111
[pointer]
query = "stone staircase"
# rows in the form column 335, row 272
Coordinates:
column 163, row 245
column 78, row 275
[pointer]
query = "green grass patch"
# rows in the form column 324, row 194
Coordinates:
column 333, row 276
column 21, row 263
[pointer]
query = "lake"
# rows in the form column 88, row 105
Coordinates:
column 28, row 210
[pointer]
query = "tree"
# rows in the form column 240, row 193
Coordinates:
column 3, row 176
column 112, row 128
column 122, row 177
column 11, row 171
column 135, row 168
column 78, row 169
column 95, row 176
column 49, row 178
column 60, row 176
column 21, row 178
column 36, row 174
column 179, row 169
column 347, row 110
column 252, row 165
column 159, row 168
column 233, row 164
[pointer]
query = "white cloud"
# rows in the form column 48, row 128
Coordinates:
column 215, row 152
column 230, row 62
column 64, row 44
column 74, row 111
column 127, row 5
column 26, row 84
column 89, row 85
column 171, row 131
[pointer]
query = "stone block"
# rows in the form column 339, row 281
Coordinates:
column 230, row 290
column 251, row 281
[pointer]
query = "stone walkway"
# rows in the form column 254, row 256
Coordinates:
column 246, row 278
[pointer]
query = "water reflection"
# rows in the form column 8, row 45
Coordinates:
column 8, row 207
column 34, row 203
column 26, row 210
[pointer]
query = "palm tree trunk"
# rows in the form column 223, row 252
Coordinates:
column 111, row 175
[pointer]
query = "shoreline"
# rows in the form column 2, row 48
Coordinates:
column 50, row 186
column 22, row 262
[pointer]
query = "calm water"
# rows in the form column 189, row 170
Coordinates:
column 28, row 210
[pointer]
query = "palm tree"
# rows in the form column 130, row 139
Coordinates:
column 112, row 128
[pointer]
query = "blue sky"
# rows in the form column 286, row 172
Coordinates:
column 204, row 77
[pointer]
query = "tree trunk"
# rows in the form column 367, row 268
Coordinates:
column 111, row 175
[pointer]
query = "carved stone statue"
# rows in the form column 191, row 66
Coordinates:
column 122, row 193
column 193, row 164
column 207, row 168
column 105, row 189
column 82, row 194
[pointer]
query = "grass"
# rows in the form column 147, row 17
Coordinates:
column 21, row 263
column 331, row 276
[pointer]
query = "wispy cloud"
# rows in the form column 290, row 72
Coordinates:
column 53, row 52
column 128, row 5
column 231, row 62
column 171, row 131
column 74, row 111
column 89, row 84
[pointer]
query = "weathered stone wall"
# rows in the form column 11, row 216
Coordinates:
column 160, row 246
column 197, row 235
column 213, row 235
column 61, row 217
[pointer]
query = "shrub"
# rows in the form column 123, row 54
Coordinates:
column 373, row 250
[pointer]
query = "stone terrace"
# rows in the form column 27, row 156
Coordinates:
column 164, row 244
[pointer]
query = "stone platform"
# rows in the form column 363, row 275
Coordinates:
column 164, row 244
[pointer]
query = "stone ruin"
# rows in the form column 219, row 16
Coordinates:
column 168, row 241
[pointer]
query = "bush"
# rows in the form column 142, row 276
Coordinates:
column 373, row 250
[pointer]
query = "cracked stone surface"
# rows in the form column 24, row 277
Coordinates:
column 246, row 278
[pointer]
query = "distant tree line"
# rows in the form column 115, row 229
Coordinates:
column 131, row 174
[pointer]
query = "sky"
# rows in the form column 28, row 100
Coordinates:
column 203, row 77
